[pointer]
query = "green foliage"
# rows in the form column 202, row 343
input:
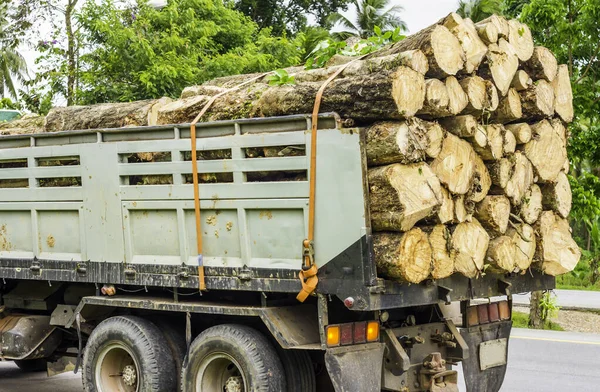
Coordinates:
column 142, row 52
column 7, row 103
column 548, row 306
column 12, row 64
column 521, row 320
column 280, row 77
column 478, row 10
column 369, row 15
column 326, row 49
column 289, row 16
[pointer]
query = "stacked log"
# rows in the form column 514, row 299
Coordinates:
column 465, row 144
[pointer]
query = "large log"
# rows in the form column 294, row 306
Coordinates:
column 442, row 255
column 404, row 256
column 482, row 181
column 493, row 213
column 510, row 143
column 521, row 39
column 501, row 171
column 463, row 209
column 521, row 132
column 542, row 64
column 454, row 166
column 474, row 48
column 446, row 212
column 436, row 99
column 458, row 99
column 556, row 252
column 469, row 242
column 397, row 142
column 29, row 123
column 501, row 65
column 443, row 50
column 531, row 206
column 563, row 94
column 521, row 180
column 393, row 94
column 509, row 109
column 501, row 255
column 538, row 101
column 435, row 139
column 104, row 115
column 546, row 151
column 488, row 32
column 523, row 237
column 402, row 195
column 461, row 126
column 521, row 81
column 475, row 88
column 494, row 148
column 498, row 22
column 557, row 196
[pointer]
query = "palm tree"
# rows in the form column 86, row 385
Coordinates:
column 370, row 13
column 478, row 10
column 12, row 64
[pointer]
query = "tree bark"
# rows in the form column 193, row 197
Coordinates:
column 509, row 109
column 461, row 126
column 531, row 207
column 405, row 257
column 542, row 64
column 538, row 101
column 520, row 38
column 493, row 213
column 442, row 255
column 469, row 242
column 535, row 310
column 454, row 166
column 104, row 115
column 556, row 250
column 557, row 196
column 402, row 195
column 546, row 151
column 563, row 94
column 397, row 142
column 501, row 171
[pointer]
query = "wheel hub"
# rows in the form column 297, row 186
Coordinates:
column 234, row 384
column 129, row 375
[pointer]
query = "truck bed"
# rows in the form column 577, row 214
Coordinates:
column 126, row 221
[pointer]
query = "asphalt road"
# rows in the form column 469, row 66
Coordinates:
column 539, row 361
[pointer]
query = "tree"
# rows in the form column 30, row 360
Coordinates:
column 12, row 64
column 370, row 13
column 478, row 10
column 289, row 16
column 141, row 52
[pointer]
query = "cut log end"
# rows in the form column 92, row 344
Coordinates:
column 454, row 166
column 521, row 81
column 538, row 101
column 405, row 257
column 493, row 213
column 521, row 132
column 521, row 39
column 442, row 256
column 523, row 236
column 531, row 206
column 470, row 242
column 501, row 255
column 563, row 94
column 546, row 151
column 556, row 250
column 542, row 64
column 557, row 196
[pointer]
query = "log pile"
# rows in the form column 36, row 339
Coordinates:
column 465, row 144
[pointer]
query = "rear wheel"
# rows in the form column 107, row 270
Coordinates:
column 128, row 354
column 33, row 365
column 232, row 358
column 299, row 371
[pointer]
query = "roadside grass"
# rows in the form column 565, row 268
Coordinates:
column 521, row 320
column 579, row 279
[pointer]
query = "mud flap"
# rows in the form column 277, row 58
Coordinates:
column 355, row 368
column 485, row 368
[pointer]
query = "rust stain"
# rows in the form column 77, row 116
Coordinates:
column 50, row 241
column 228, row 226
column 266, row 214
column 211, row 220
column 4, row 243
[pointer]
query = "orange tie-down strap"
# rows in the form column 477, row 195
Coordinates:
column 308, row 274
column 201, row 277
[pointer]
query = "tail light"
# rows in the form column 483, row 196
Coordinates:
column 487, row 313
column 352, row 333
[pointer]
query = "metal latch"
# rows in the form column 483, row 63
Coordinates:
column 129, row 273
column 245, row 273
column 36, row 268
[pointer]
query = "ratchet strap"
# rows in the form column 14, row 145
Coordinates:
column 308, row 273
column 201, row 277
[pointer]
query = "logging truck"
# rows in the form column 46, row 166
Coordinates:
column 99, row 272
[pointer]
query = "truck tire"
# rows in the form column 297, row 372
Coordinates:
column 128, row 354
column 32, row 365
column 176, row 341
column 232, row 358
column 299, row 371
